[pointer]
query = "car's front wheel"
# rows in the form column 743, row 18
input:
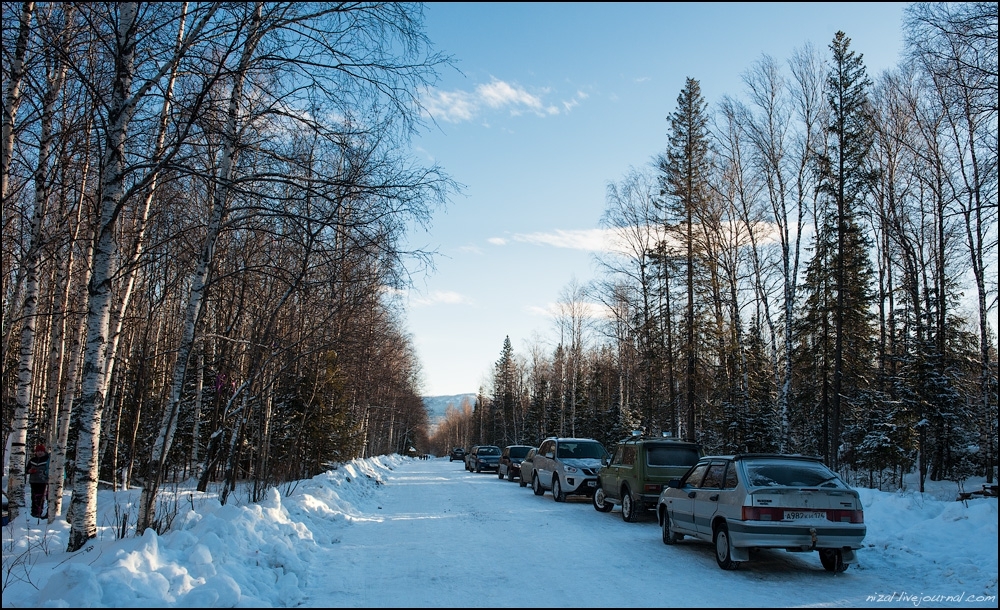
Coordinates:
column 536, row 485
column 521, row 482
column 630, row 513
column 510, row 474
column 724, row 548
column 832, row 560
column 557, row 493
column 499, row 474
column 601, row 501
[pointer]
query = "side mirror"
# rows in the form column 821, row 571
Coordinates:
column 605, row 460
column 675, row 483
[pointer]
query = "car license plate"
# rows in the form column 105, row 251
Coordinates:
column 803, row 515
column 591, row 483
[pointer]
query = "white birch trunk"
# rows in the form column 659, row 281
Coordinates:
column 12, row 102
column 83, row 506
column 168, row 426
column 32, row 266
column 64, row 408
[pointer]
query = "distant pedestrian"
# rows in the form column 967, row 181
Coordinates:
column 38, row 478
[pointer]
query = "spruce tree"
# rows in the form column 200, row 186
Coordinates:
column 685, row 169
column 837, row 324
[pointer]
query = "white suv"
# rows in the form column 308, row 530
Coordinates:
column 567, row 466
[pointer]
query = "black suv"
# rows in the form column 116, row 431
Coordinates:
column 639, row 469
column 457, row 453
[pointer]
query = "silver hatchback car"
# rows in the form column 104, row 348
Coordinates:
column 754, row 501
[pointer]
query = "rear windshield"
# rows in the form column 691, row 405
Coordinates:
column 664, row 455
column 775, row 473
column 581, row 450
column 519, row 452
column 489, row 451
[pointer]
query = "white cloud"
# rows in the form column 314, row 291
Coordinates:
column 458, row 106
column 497, row 241
column 499, row 94
column 585, row 239
column 442, row 296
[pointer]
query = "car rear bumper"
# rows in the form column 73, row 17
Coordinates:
column 796, row 536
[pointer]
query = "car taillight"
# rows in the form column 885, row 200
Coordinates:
column 762, row 513
column 652, row 489
column 846, row 516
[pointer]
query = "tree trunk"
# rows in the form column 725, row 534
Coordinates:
column 199, row 279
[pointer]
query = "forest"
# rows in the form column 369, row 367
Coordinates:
column 204, row 217
column 809, row 268
column 204, row 212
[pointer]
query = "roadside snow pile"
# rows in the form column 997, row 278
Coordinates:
column 951, row 539
column 215, row 555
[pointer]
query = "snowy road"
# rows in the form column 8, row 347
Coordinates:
column 435, row 535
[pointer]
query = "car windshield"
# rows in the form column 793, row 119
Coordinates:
column 519, row 452
column 665, row 455
column 789, row 473
column 580, row 450
column 489, row 451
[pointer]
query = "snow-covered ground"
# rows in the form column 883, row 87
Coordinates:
column 400, row 532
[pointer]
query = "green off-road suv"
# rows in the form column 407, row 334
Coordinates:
column 637, row 471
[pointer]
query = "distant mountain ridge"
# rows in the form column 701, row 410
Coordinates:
column 436, row 405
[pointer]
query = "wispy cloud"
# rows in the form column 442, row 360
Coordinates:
column 458, row 106
column 585, row 239
column 497, row 241
column 442, row 297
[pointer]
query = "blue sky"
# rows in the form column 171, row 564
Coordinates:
column 551, row 102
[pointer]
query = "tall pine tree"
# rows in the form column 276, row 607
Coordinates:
column 685, row 170
column 835, row 333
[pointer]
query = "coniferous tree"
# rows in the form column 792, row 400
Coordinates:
column 505, row 396
column 837, row 324
column 685, row 170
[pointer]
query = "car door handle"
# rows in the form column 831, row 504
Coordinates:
column 692, row 494
column 714, row 497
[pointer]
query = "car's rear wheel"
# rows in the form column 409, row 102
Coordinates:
column 630, row 513
column 601, row 501
column 832, row 560
column 536, row 485
column 499, row 474
column 669, row 537
column 724, row 548
column 557, row 492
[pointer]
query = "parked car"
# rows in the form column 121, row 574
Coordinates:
column 752, row 501
column 457, row 453
column 468, row 458
column 638, row 471
column 567, row 466
column 526, row 468
column 510, row 461
column 484, row 457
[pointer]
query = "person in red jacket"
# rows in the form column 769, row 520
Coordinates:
column 38, row 478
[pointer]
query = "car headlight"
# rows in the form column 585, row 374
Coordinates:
column 570, row 468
